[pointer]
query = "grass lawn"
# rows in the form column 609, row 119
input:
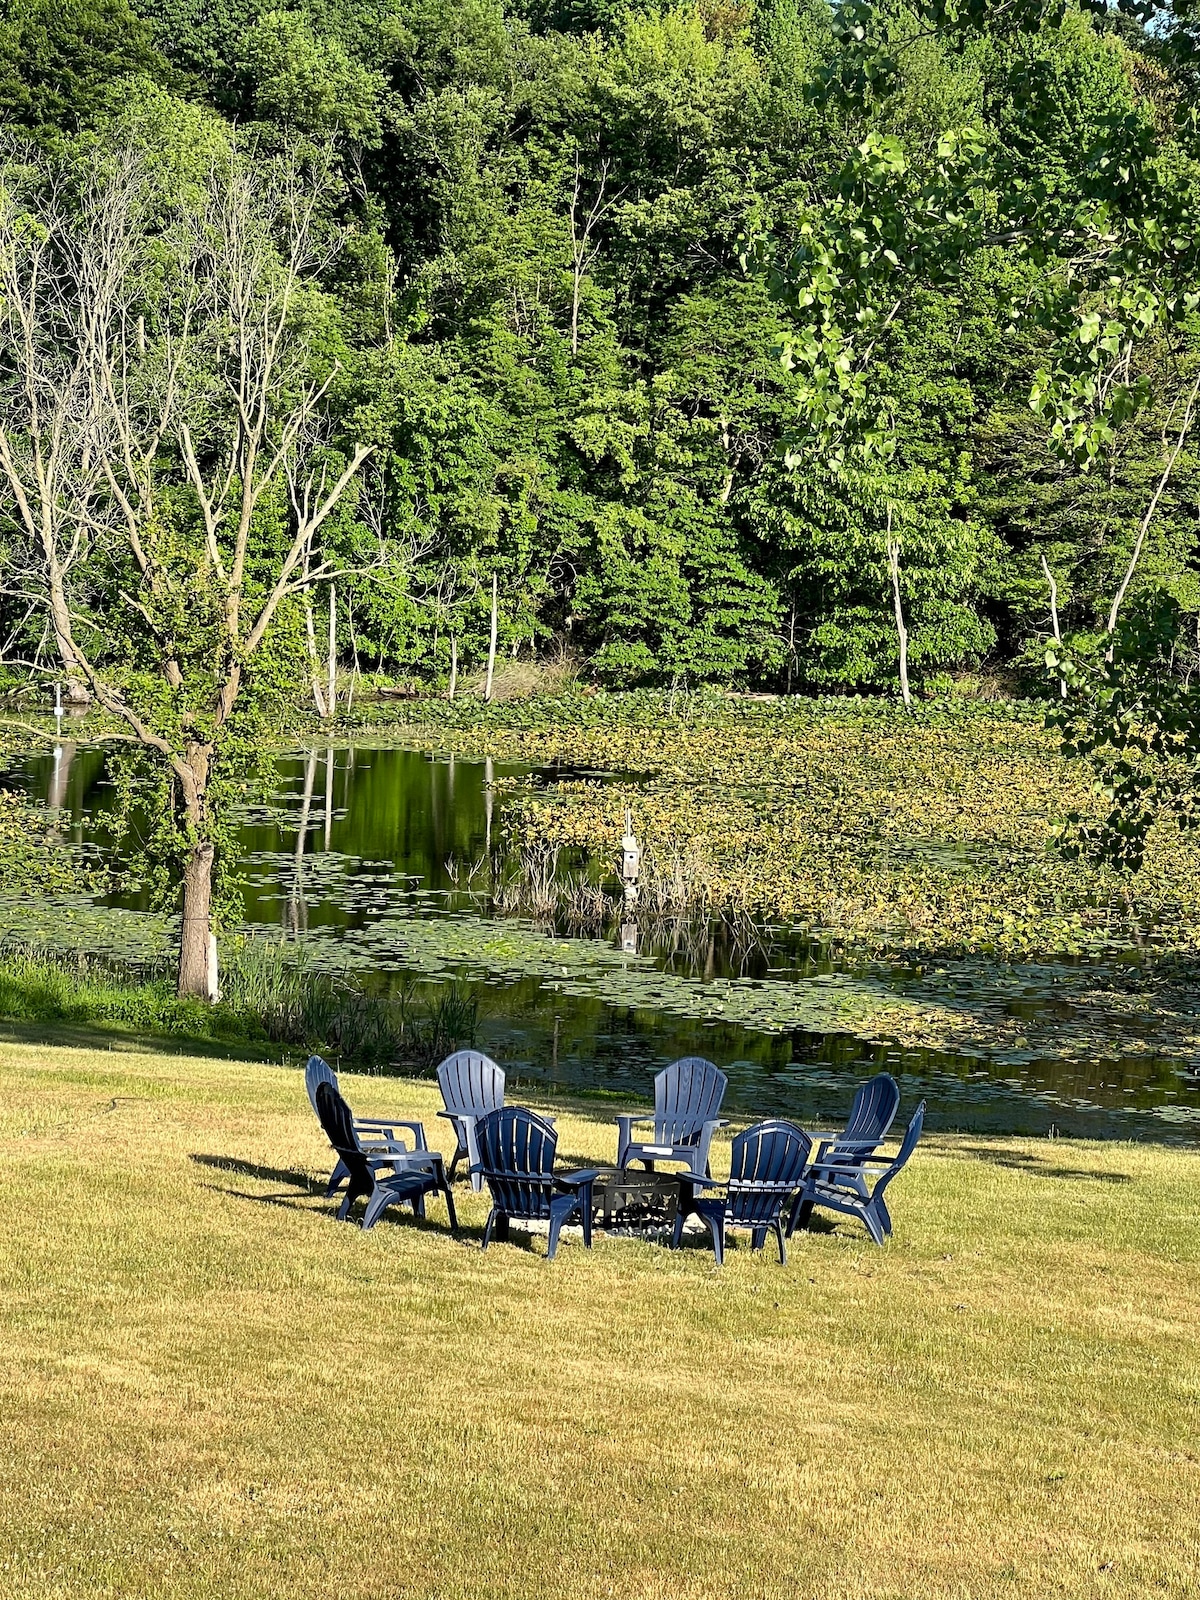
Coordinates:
column 210, row 1389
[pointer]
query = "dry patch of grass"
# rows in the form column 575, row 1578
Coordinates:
column 210, row 1389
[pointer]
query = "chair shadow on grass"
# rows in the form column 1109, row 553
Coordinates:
column 1022, row 1161
column 311, row 1188
column 251, row 1169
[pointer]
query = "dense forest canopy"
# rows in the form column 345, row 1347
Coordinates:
column 544, row 319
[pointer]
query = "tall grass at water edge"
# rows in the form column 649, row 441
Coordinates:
column 268, row 995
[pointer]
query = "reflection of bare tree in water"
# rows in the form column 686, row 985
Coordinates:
column 60, row 777
column 328, row 793
column 297, row 907
column 488, row 792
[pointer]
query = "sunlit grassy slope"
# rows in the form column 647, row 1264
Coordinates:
column 211, row 1389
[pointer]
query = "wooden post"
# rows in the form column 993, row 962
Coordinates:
column 893, row 550
column 631, row 861
column 332, row 695
column 491, row 666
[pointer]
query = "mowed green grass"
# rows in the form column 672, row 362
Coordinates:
column 209, row 1388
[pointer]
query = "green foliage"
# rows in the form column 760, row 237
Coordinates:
column 268, row 997
column 66, row 63
column 550, row 313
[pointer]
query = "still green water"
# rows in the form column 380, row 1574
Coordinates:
column 366, row 853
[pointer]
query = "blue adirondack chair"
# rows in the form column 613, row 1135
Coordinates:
column 871, row 1115
column 383, row 1178
column 844, row 1189
column 687, row 1097
column 516, row 1160
column 766, row 1168
column 377, row 1135
column 472, row 1085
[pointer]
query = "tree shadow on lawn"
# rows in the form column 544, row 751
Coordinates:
column 313, row 1188
column 1022, row 1161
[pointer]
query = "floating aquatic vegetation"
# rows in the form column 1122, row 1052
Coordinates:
column 879, row 832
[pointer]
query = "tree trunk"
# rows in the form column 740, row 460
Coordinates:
column 453, row 667
column 893, row 550
column 1062, row 682
column 331, row 696
column 491, row 666
column 313, row 658
column 197, row 968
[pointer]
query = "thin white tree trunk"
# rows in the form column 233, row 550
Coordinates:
column 491, row 664
column 893, row 550
column 331, row 697
column 1119, row 597
column 453, row 667
column 1062, row 682
column 313, row 658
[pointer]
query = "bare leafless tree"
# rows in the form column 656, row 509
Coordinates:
column 165, row 443
column 585, row 247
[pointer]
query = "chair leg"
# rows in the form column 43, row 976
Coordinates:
column 677, row 1232
column 418, row 1205
column 778, row 1227
column 585, row 1215
column 376, row 1206
column 716, row 1226
column 558, row 1215
column 472, row 1152
column 487, row 1228
column 351, row 1195
column 801, row 1211
column 337, row 1178
column 873, row 1225
column 758, row 1238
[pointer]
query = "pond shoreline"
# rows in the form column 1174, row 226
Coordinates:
column 1102, row 1031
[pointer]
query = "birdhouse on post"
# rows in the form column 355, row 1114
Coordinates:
column 631, row 860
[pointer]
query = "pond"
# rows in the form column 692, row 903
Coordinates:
column 374, row 857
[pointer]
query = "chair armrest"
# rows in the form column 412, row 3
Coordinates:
column 389, row 1124
column 705, row 1183
column 576, row 1180
column 845, row 1144
column 406, row 1160
column 851, row 1166
column 631, row 1117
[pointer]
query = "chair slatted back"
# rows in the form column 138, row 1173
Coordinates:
column 470, row 1082
column 871, row 1115
column 766, row 1167
column 516, row 1152
column 687, row 1094
column 907, row 1145
column 338, row 1122
column 317, row 1072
